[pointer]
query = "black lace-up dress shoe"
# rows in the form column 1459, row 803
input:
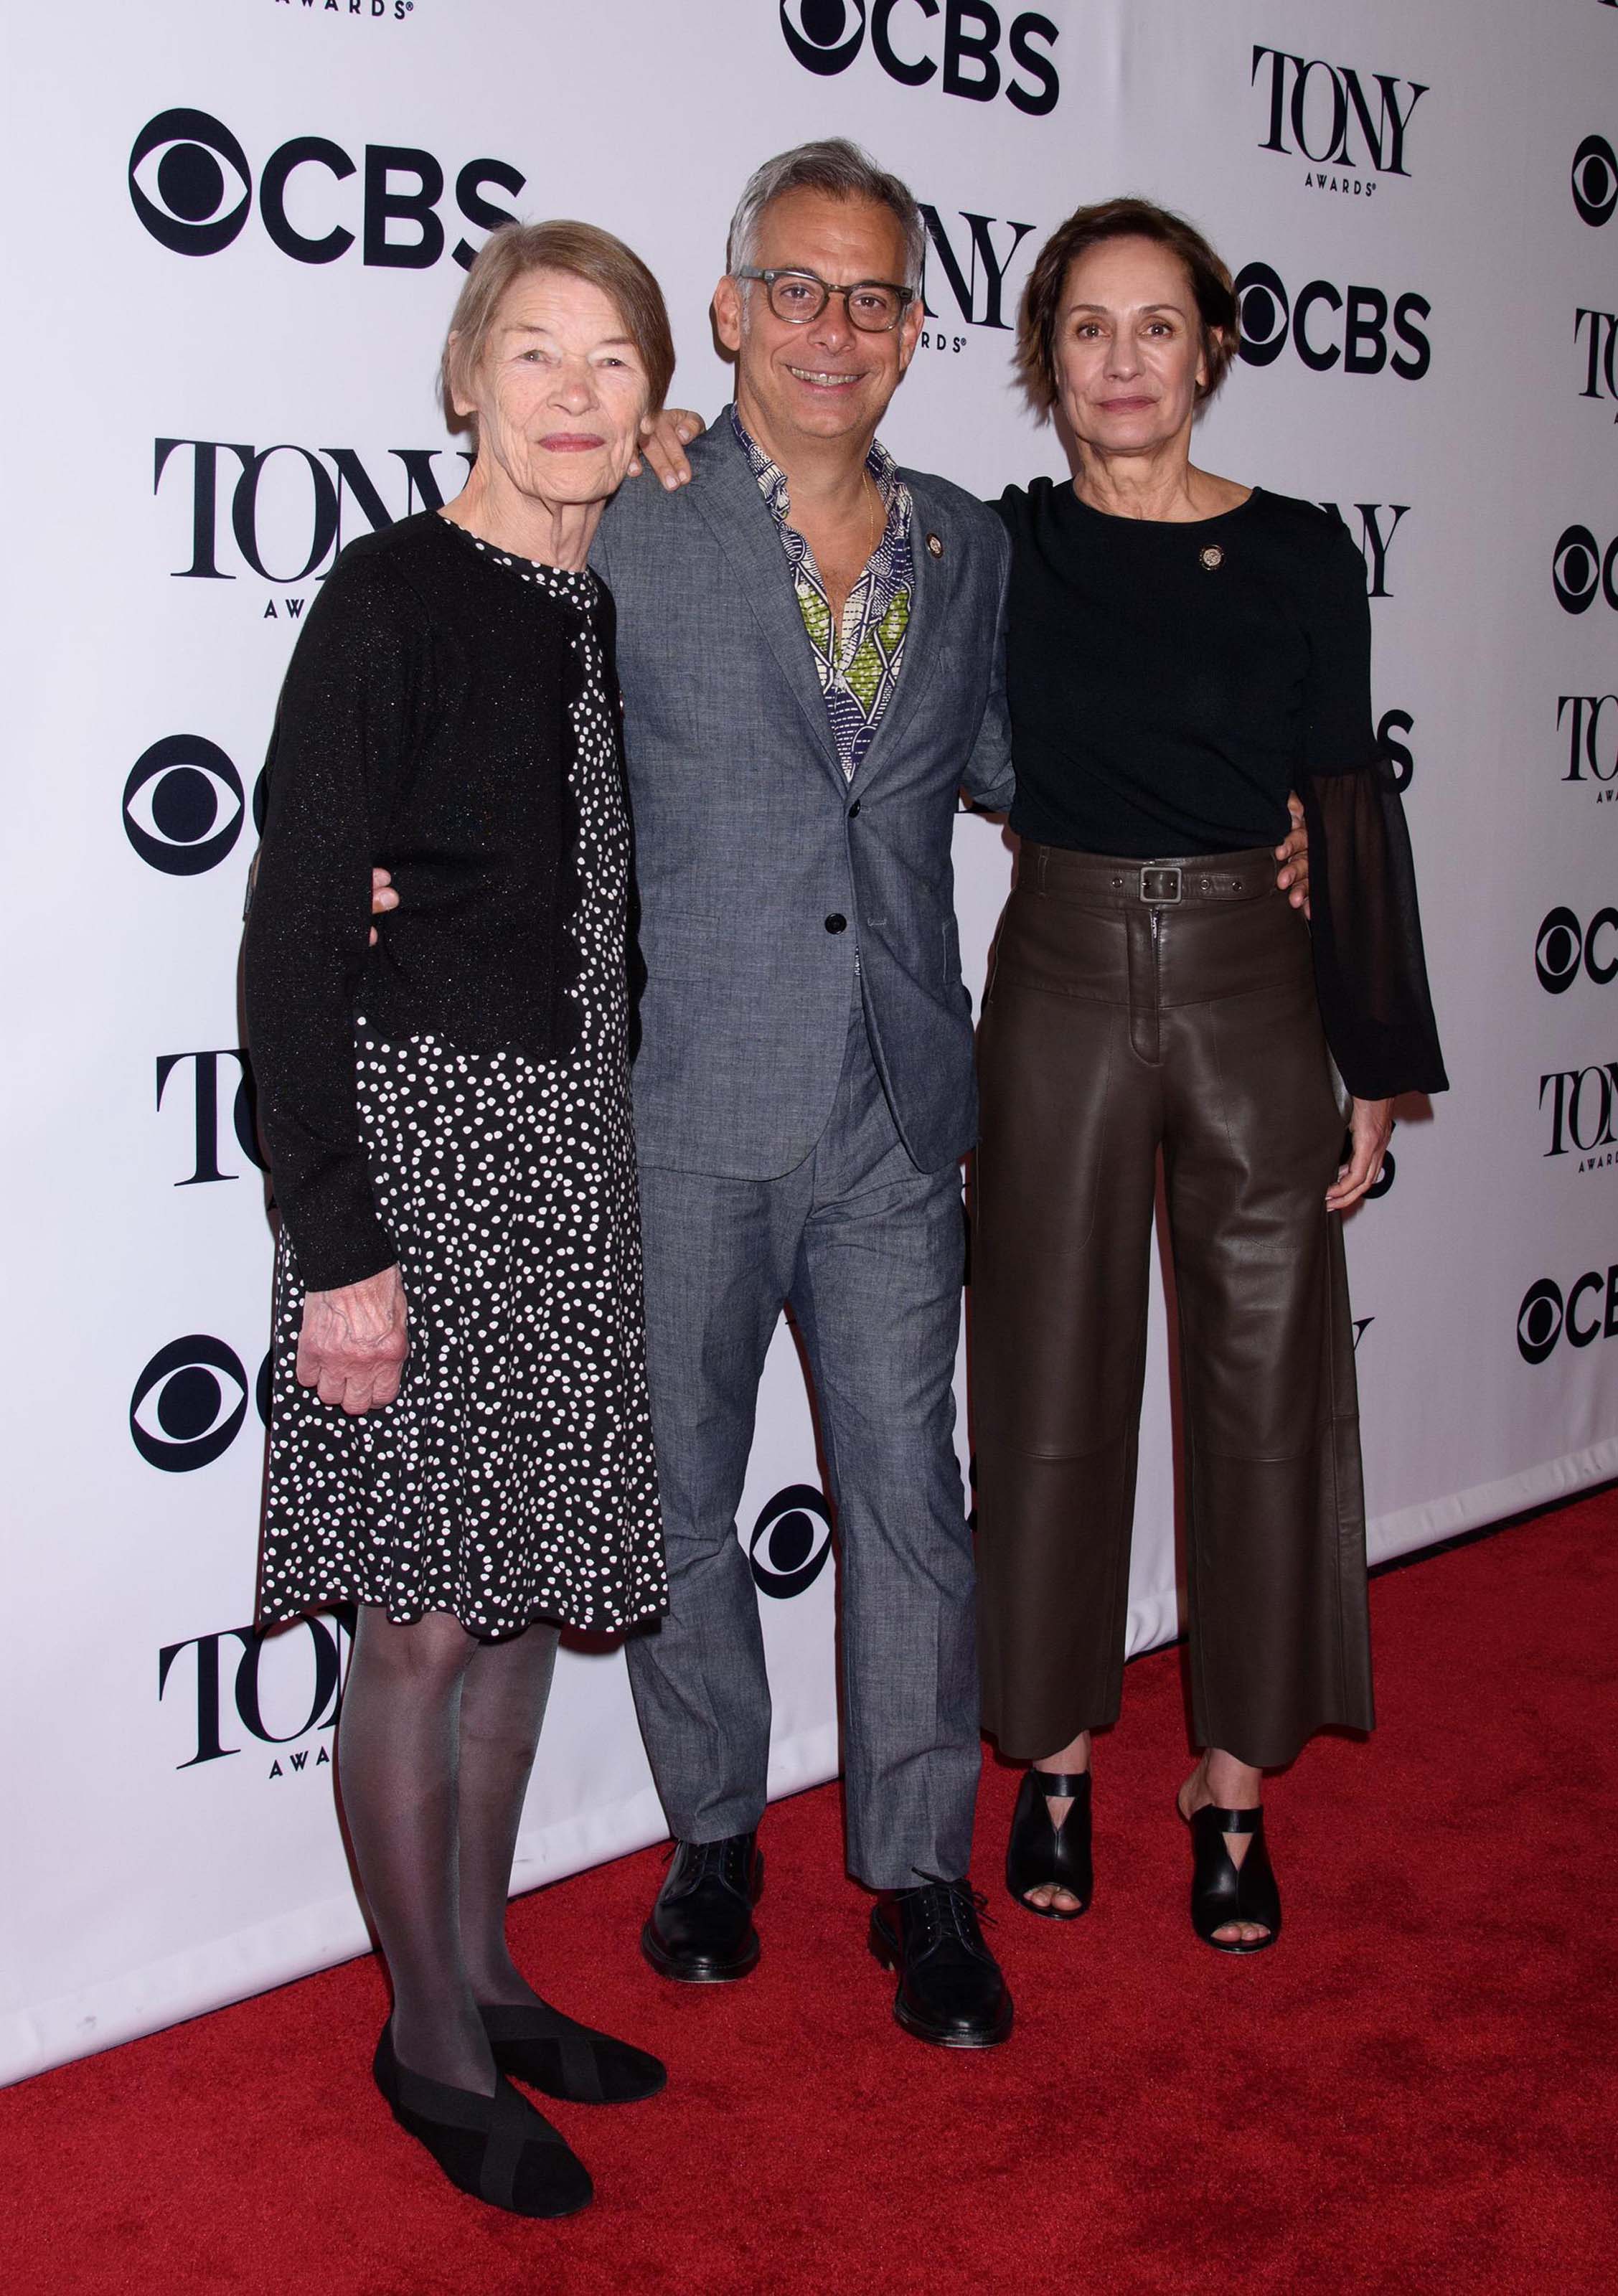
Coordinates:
column 701, row 1928
column 950, row 1989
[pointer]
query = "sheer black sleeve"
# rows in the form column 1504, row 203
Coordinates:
column 1370, row 969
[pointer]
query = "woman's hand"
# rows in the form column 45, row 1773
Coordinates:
column 1370, row 1129
column 664, row 439
column 352, row 1346
column 382, row 898
column 1293, row 857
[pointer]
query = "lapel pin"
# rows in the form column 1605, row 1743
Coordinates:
column 1212, row 559
column 935, row 545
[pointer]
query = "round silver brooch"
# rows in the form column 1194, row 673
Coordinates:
column 935, row 545
column 1212, row 559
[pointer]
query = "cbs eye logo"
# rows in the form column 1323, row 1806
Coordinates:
column 1595, row 180
column 790, row 1542
column 1563, row 946
column 1580, row 568
column 1580, row 571
column 180, row 195
column 183, row 805
column 818, row 32
column 1540, row 1320
column 189, row 1404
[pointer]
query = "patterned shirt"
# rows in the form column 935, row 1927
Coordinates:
column 858, row 664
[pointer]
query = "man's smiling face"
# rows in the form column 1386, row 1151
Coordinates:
column 827, row 380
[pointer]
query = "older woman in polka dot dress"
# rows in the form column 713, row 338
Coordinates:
column 460, row 1440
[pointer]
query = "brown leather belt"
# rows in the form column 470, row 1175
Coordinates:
column 1104, row 879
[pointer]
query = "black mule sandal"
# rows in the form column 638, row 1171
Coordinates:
column 498, row 2148
column 1040, row 1855
column 1221, row 1891
column 537, row 2043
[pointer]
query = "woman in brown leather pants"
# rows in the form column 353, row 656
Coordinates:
column 1182, row 651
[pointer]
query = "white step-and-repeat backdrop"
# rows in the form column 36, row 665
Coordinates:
column 237, row 227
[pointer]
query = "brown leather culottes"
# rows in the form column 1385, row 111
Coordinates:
column 1130, row 1012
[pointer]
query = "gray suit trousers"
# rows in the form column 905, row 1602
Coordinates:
column 868, row 1250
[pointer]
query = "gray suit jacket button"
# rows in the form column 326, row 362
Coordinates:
column 836, row 923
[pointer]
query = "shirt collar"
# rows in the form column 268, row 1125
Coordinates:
column 772, row 478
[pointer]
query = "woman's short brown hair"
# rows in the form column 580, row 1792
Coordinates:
column 584, row 252
column 1212, row 289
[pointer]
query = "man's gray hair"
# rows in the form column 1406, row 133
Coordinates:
column 837, row 167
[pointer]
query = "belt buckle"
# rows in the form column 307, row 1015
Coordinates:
column 1160, row 886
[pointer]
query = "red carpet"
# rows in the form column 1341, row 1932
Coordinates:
column 1414, row 2092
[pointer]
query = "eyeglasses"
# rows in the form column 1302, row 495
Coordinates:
column 875, row 306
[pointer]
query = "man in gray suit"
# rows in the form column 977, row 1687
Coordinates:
column 809, row 644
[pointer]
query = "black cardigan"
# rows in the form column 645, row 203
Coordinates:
column 424, row 726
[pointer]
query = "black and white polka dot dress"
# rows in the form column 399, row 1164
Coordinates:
column 512, row 1479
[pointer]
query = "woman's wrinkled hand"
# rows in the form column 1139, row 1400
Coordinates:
column 1294, row 857
column 664, row 439
column 352, row 1349
column 1370, row 1129
column 382, row 898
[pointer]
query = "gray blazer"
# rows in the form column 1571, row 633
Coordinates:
column 750, row 846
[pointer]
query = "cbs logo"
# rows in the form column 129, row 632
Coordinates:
column 1564, row 947
column 1269, row 319
column 183, row 805
column 191, row 186
column 825, row 36
column 1595, row 180
column 1545, row 1316
column 790, row 1542
column 190, row 1402
column 1580, row 568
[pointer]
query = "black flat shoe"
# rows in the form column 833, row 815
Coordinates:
column 701, row 1928
column 1221, row 1891
column 950, row 1989
column 537, row 2043
column 498, row 2148
column 1040, row 1855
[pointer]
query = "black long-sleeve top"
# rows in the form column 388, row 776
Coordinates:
column 424, row 726
column 1169, row 684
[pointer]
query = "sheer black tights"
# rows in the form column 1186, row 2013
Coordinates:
column 434, row 1750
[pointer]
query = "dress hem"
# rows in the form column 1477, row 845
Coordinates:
column 290, row 1610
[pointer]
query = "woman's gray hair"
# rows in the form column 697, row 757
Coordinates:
column 836, row 167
